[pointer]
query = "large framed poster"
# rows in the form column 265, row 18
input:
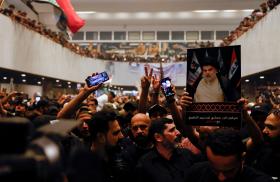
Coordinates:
column 213, row 80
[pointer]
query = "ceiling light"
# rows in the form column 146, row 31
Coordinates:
column 230, row 11
column 274, row 83
column 247, row 10
column 23, row 75
column 85, row 12
column 142, row 15
column 24, row 80
column 39, row 83
column 5, row 78
column 57, row 81
column 247, row 80
column 205, row 11
column 163, row 15
column 69, row 83
column 69, row 86
column 43, row 78
column 261, row 77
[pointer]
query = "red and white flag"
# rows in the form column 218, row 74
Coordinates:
column 233, row 65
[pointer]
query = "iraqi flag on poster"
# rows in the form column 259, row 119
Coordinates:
column 62, row 10
column 233, row 66
column 194, row 70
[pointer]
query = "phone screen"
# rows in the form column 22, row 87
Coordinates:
column 37, row 98
column 166, row 87
column 97, row 79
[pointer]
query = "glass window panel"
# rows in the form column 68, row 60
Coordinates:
column 105, row 35
column 91, row 35
column 207, row 35
column 119, row 35
column 133, row 35
column 177, row 35
column 221, row 34
column 78, row 36
column 162, row 35
column 192, row 35
column 148, row 35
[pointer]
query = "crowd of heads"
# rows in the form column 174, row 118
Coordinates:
column 249, row 22
column 122, row 133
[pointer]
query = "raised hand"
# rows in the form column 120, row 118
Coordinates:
column 244, row 102
column 146, row 80
column 185, row 100
column 93, row 88
column 156, row 84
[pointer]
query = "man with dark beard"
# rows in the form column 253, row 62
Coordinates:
column 139, row 125
column 103, row 162
column 166, row 162
column 264, row 154
column 106, row 136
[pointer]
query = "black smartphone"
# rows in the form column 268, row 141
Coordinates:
column 97, row 79
column 166, row 87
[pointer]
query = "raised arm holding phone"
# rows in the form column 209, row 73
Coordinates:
column 73, row 105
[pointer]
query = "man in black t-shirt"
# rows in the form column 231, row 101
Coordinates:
column 224, row 150
column 166, row 162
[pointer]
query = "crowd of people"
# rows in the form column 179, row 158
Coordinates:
column 145, row 138
column 136, row 138
column 249, row 22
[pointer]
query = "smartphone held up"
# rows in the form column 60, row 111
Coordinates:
column 97, row 79
column 167, row 87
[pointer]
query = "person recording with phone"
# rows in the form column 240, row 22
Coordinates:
column 69, row 109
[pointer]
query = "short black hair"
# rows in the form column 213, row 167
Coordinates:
column 100, row 123
column 130, row 106
column 156, row 108
column 210, row 61
column 113, row 94
column 42, row 103
column 275, row 112
column 158, row 126
column 225, row 142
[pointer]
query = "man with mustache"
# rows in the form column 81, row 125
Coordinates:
column 166, row 162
